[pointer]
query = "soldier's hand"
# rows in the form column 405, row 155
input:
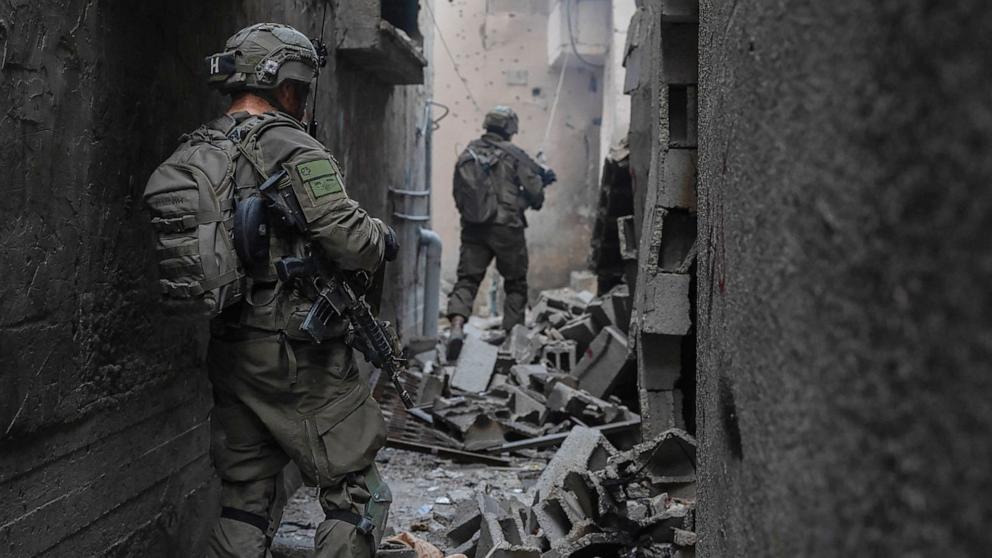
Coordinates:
column 548, row 176
column 392, row 245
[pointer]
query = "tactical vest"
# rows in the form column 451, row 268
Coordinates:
column 486, row 187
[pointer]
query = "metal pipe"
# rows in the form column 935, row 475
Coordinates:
column 432, row 280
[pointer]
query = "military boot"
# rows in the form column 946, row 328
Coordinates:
column 456, row 338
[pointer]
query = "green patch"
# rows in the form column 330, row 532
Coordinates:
column 325, row 186
column 321, row 178
column 315, row 169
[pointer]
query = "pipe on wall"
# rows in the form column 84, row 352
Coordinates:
column 431, row 241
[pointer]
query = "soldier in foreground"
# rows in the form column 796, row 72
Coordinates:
column 280, row 394
column 495, row 183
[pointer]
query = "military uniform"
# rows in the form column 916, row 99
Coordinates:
column 518, row 185
column 280, row 396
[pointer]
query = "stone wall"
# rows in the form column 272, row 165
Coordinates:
column 103, row 404
column 843, row 287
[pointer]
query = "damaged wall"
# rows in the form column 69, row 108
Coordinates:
column 104, row 407
column 843, row 296
column 500, row 47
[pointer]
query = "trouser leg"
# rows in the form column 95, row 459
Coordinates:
column 244, row 524
column 474, row 258
column 510, row 246
column 357, row 509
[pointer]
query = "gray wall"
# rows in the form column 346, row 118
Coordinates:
column 103, row 405
column 843, row 294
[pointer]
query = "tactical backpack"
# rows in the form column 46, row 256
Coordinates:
column 474, row 187
column 191, row 198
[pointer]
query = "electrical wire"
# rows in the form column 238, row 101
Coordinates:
column 451, row 56
column 571, row 34
column 437, row 122
column 554, row 106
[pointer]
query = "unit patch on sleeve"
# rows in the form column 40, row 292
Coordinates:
column 320, row 178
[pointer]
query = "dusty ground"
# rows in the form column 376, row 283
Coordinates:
column 426, row 490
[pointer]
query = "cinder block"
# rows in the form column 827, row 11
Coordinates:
column 567, row 300
column 666, row 305
column 659, row 361
column 680, row 11
column 659, row 411
column 678, row 187
column 502, row 534
column 627, row 234
column 584, row 449
column 582, row 330
column 521, row 373
column 680, row 53
column 560, row 355
column 524, row 344
column 476, row 365
column 612, row 309
column 605, row 363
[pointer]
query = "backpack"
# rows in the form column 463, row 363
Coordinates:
column 474, row 186
column 191, row 199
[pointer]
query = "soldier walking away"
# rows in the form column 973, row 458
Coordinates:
column 495, row 183
column 279, row 394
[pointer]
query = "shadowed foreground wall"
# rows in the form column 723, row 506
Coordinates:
column 103, row 404
column 843, row 293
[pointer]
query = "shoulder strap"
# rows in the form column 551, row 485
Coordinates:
column 519, row 154
column 244, row 134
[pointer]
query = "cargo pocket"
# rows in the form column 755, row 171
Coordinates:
column 344, row 436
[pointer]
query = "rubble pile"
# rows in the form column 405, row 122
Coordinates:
column 569, row 366
column 592, row 500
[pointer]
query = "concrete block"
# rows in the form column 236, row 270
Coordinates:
column 467, row 522
column 659, row 411
column 605, row 363
column 584, row 449
column 567, row 300
column 680, row 53
column 680, row 11
column 666, row 308
column 659, row 360
column 560, row 355
column 627, row 237
column 502, row 534
column 582, row 330
column 667, row 459
column 431, row 387
column 678, row 241
column 612, row 309
column 678, row 187
column 476, row 365
column 576, row 403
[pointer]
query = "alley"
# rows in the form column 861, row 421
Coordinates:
column 659, row 278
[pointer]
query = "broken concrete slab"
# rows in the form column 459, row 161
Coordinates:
column 582, row 330
column 565, row 400
column 605, row 363
column 502, row 533
column 476, row 365
column 585, row 449
column 524, row 345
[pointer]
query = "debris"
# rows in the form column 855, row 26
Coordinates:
column 581, row 330
column 560, row 355
column 476, row 365
column 605, row 363
column 453, row 454
column 612, row 309
column 419, row 547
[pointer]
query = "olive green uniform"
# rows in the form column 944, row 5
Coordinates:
column 518, row 188
column 279, row 396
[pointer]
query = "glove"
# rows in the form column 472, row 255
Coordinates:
column 548, row 176
column 392, row 244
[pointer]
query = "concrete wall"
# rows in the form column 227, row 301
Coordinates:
column 103, row 405
column 500, row 47
column 843, row 293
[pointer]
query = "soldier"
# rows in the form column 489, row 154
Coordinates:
column 278, row 395
column 495, row 183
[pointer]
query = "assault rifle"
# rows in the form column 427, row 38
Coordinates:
column 336, row 295
column 376, row 340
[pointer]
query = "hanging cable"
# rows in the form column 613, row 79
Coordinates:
column 451, row 56
column 571, row 34
column 554, row 108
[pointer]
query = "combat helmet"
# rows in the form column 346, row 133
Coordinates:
column 261, row 57
column 502, row 119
